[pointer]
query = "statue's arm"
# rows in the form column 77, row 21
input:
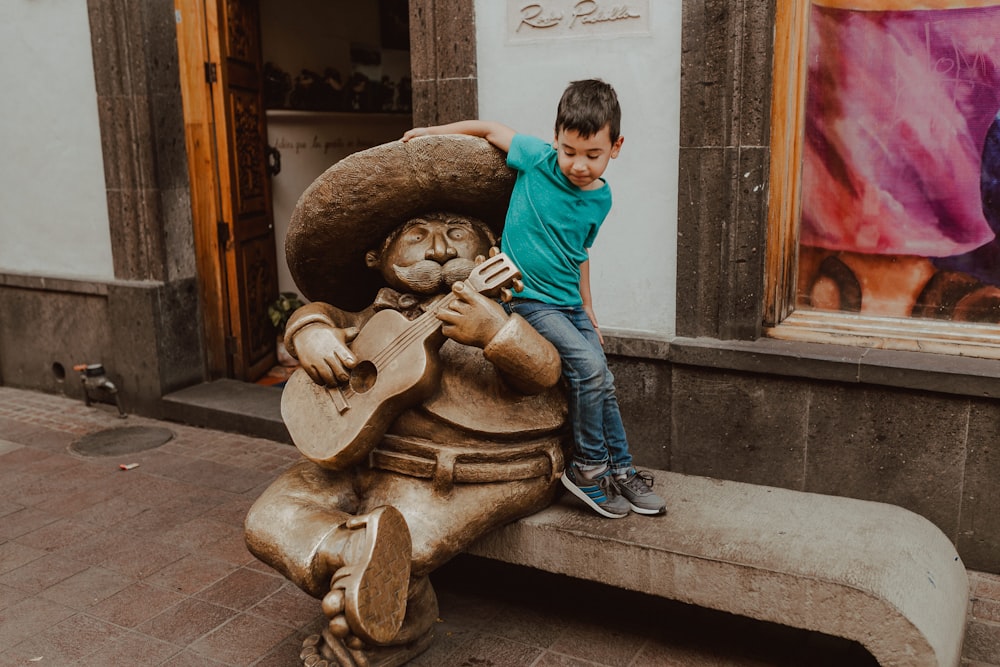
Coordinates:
column 525, row 359
column 322, row 314
column 319, row 336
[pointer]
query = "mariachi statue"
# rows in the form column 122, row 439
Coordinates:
column 426, row 415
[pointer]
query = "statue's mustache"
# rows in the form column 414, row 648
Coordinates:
column 427, row 276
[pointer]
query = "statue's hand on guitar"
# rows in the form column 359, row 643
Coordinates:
column 324, row 353
column 471, row 319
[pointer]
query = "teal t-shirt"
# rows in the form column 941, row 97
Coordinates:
column 550, row 223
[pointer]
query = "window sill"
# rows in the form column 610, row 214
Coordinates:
column 925, row 371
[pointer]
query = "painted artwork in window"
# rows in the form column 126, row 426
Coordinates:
column 900, row 208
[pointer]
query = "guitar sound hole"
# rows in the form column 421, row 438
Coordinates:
column 363, row 377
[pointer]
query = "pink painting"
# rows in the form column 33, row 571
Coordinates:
column 901, row 162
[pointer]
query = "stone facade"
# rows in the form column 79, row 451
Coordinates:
column 911, row 429
column 144, row 324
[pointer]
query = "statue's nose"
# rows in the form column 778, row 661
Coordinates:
column 440, row 250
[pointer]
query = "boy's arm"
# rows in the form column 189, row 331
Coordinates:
column 588, row 306
column 497, row 134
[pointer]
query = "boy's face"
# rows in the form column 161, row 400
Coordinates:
column 583, row 160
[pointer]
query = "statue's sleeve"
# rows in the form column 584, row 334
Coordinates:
column 320, row 313
column 524, row 358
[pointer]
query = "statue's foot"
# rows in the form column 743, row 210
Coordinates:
column 326, row 650
column 367, row 597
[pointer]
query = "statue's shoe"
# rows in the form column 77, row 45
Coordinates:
column 375, row 575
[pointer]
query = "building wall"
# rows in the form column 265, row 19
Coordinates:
column 713, row 397
column 134, row 308
column 908, row 428
column 55, row 214
column 926, row 451
column 522, row 73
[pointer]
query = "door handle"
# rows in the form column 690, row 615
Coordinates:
column 273, row 158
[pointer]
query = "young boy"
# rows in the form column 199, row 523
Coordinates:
column 558, row 204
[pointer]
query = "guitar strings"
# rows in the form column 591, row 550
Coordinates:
column 428, row 321
column 424, row 324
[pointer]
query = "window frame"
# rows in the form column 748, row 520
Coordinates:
column 781, row 318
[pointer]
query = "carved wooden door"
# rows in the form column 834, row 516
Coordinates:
column 247, row 232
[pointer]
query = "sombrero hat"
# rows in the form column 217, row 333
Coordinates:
column 354, row 204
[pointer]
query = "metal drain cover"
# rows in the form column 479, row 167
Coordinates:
column 124, row 440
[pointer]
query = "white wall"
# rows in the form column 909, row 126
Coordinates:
column 633, row 262
column 53, row 207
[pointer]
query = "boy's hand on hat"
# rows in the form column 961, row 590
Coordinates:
column 414, row 133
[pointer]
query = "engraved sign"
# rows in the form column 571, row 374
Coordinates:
column 548, row 19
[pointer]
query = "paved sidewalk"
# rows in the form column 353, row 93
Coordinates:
column 101, row 567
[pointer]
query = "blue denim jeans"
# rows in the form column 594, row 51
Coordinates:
column 598, row 432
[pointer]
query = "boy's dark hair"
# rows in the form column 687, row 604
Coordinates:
column 587, row 106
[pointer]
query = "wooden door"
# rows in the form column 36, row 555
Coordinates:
column 251, row 264
column 219, row 47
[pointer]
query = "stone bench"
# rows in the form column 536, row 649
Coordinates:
column 869, row 572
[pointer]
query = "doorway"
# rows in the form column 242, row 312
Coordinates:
column 336, row 81
column 275, row 91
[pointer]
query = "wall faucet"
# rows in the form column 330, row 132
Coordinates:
column 93, row 377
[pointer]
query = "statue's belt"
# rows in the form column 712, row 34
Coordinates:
column 447, row 465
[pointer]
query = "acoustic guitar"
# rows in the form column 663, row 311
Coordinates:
column 398, row 366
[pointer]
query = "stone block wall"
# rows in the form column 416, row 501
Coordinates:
column 146, row 334
column 933, row 453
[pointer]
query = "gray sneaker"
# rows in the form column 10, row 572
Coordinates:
column 600, row 494
column 637, row 489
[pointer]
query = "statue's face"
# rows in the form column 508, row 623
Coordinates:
column 427, row 256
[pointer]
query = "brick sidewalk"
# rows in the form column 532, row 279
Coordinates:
column 103, row 567
column 100, row 566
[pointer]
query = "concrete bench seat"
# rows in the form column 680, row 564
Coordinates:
column 870, row 572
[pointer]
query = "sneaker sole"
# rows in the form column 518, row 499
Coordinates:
column 578, row 492
column 647, row 511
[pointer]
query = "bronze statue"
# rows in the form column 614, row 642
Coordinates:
column 427, row 416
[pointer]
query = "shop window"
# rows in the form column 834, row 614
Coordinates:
column 884, row 225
